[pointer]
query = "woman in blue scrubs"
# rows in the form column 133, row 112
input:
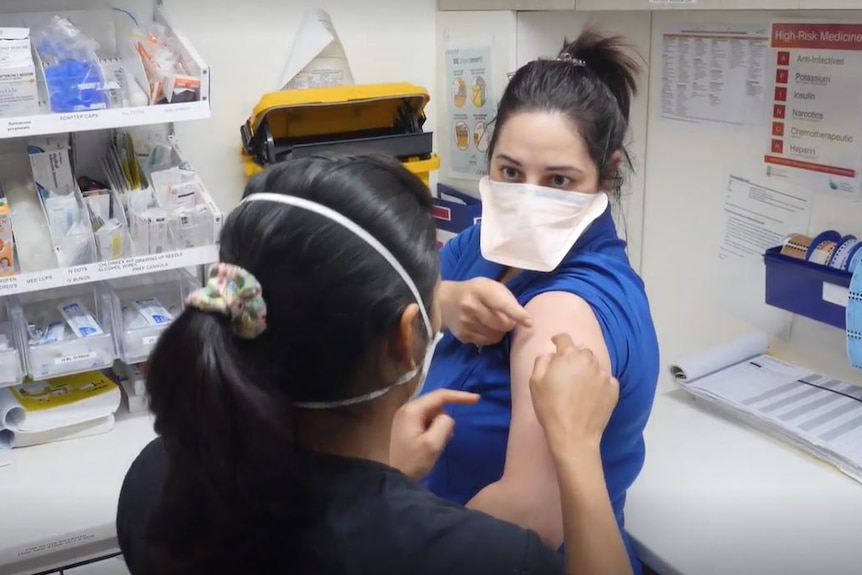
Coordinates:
column 545, row 259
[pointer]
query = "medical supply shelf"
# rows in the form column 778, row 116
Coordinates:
column 107, row 270
column 53, row 123
column 124, row 334
column 74, row 536
column 107, row 285
column 42, row 124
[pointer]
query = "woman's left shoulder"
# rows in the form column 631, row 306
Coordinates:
column 607, row 282
column 615, row 294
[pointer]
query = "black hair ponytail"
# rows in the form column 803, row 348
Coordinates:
column 237, row 498
column 217, row 425
column 608, row 58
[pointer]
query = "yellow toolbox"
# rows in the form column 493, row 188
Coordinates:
column 375, row 118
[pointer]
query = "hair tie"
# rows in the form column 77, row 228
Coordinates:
column 566, row 57
column 235, row 293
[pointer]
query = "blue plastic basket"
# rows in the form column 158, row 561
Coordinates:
column 798, row 286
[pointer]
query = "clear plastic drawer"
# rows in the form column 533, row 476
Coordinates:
column 66, row 330
column 144, row 306
column 11, row 366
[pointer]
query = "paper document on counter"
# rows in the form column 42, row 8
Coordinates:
column 317, row 59
column 71, row 406
column 99, row 426
column 757, row 215
column 814, row 412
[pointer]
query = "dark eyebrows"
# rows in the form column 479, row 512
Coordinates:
column 559, row 168
column 563, row 169
column 509, row 159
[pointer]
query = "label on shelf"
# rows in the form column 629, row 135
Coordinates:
column 16, row 127
column 101, row 271
column 150, row 340
column 67, row 359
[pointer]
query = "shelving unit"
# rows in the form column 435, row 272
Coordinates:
column 108, row 283
column 20, row 292
column 51, row 123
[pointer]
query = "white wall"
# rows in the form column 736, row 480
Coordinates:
column 541, row 35
column 686, row 174
column 247, row 45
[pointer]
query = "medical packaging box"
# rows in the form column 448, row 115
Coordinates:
column 19, row 94
column 51, row 162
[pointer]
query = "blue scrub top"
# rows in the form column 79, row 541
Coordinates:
column 598, row 270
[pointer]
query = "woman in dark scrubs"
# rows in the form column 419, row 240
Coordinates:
column 287, row 441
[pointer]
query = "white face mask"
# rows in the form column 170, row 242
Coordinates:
column 531, row 227
column 399, row 269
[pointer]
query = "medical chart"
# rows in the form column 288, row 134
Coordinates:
column 714, row 73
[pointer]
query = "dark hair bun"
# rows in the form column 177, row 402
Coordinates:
column 609, row 58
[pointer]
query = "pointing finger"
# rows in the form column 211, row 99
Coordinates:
column 439, row 398
column 504, row 302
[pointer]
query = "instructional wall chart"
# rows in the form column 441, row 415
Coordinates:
column 714, row 73
column 815, row 135
column 471, row 109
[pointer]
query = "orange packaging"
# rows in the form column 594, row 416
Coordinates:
column 7, row 251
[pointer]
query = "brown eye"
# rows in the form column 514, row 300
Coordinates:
column 560, row 181
column 510, row 173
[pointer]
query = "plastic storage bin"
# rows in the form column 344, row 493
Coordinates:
column 11, row 366
column 77, row 246
column 51, row 346
column 815, row 291
column 131, row 298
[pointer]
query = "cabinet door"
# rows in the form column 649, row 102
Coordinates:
column 112, row 566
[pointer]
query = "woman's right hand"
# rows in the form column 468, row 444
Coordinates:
column 481, row 311
column 572, row 395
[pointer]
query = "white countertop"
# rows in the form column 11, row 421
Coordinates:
column 715, row 497
column 59, row 501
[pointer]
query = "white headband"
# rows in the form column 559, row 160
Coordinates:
column 346, row 222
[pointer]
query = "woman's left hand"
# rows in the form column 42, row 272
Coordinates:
column 421, row 430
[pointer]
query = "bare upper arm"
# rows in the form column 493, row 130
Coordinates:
column 528, row 462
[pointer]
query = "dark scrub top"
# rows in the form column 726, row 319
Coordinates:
column 375, row 521
column 597, row 269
